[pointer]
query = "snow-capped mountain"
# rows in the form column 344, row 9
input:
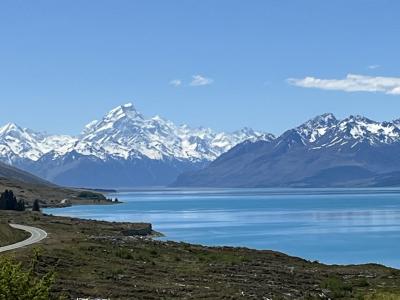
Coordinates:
column 126, row 133
column 324, row 151
column 121, row 137
column 18, row 143
column 313, row 129
column 351, row 130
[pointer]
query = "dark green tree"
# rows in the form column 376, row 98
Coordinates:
column 36, row 205
column 21, row 205
column 3, row 203
column 8, row 201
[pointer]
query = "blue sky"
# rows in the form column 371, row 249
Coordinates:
column 220, row 64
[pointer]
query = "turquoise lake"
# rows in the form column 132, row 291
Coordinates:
column 334, row 226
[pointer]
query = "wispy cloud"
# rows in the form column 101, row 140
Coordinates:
column 199, row 80
column 352, row 83
column 373, row 67
column 176, row 82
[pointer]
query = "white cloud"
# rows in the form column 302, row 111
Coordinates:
column 199, row 80
column 396, row 91
column 176, row 82
column 352, row 83
column 373, row 67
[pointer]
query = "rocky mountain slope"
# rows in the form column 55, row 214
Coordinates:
column 323, row 152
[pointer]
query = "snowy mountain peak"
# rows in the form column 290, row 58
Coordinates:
column 364, row 129
column 126, row 133
column 252, row 135
column 358, row 119
column 325, row 131
column 316, row 127
column 20, row 143
column 324, row 120
column 328, row 116
column 396, row 122
column 245, row 130
column 123, row 111
column 89, row 127
column 9, row 127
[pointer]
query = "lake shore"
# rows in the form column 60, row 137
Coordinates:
column 345, row 226
column 122, row 261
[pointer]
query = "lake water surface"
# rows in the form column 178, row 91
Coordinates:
column 336, row 226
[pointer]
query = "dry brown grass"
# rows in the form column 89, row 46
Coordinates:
column 95, row 259
column 10, row 235
column 48, row 195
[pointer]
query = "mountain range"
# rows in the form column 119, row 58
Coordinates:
column 322, row 152
column 123, row 149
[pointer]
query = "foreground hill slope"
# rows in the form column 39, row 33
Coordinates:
column 323, row 152
column 96, row 259
column 29, row 187
column 11, row 173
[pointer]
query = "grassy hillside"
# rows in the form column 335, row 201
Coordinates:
column 49, row 195
column 10, row 235
column 28, row 187
column 7, row 171
column 95, row 259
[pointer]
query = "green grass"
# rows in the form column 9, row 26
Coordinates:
column 382, row 296
column 338, row 287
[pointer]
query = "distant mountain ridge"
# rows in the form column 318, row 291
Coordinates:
column 11, row 173
column 322, row 152
column 123, row 149
column 28, row 187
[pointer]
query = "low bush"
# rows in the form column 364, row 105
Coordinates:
column 19, row 284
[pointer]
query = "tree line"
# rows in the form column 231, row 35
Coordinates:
column 8, row 201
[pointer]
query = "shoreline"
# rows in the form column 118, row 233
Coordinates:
column 121, row 260
column 162, row 235
column 80, row 202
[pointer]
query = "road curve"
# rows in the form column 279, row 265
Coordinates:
column 36, row 236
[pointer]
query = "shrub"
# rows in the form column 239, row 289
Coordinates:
column 124, row 253
column 337, row 286
column 91, row 195
column 19, row 284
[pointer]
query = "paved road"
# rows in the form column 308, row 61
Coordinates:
column 36, row 236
